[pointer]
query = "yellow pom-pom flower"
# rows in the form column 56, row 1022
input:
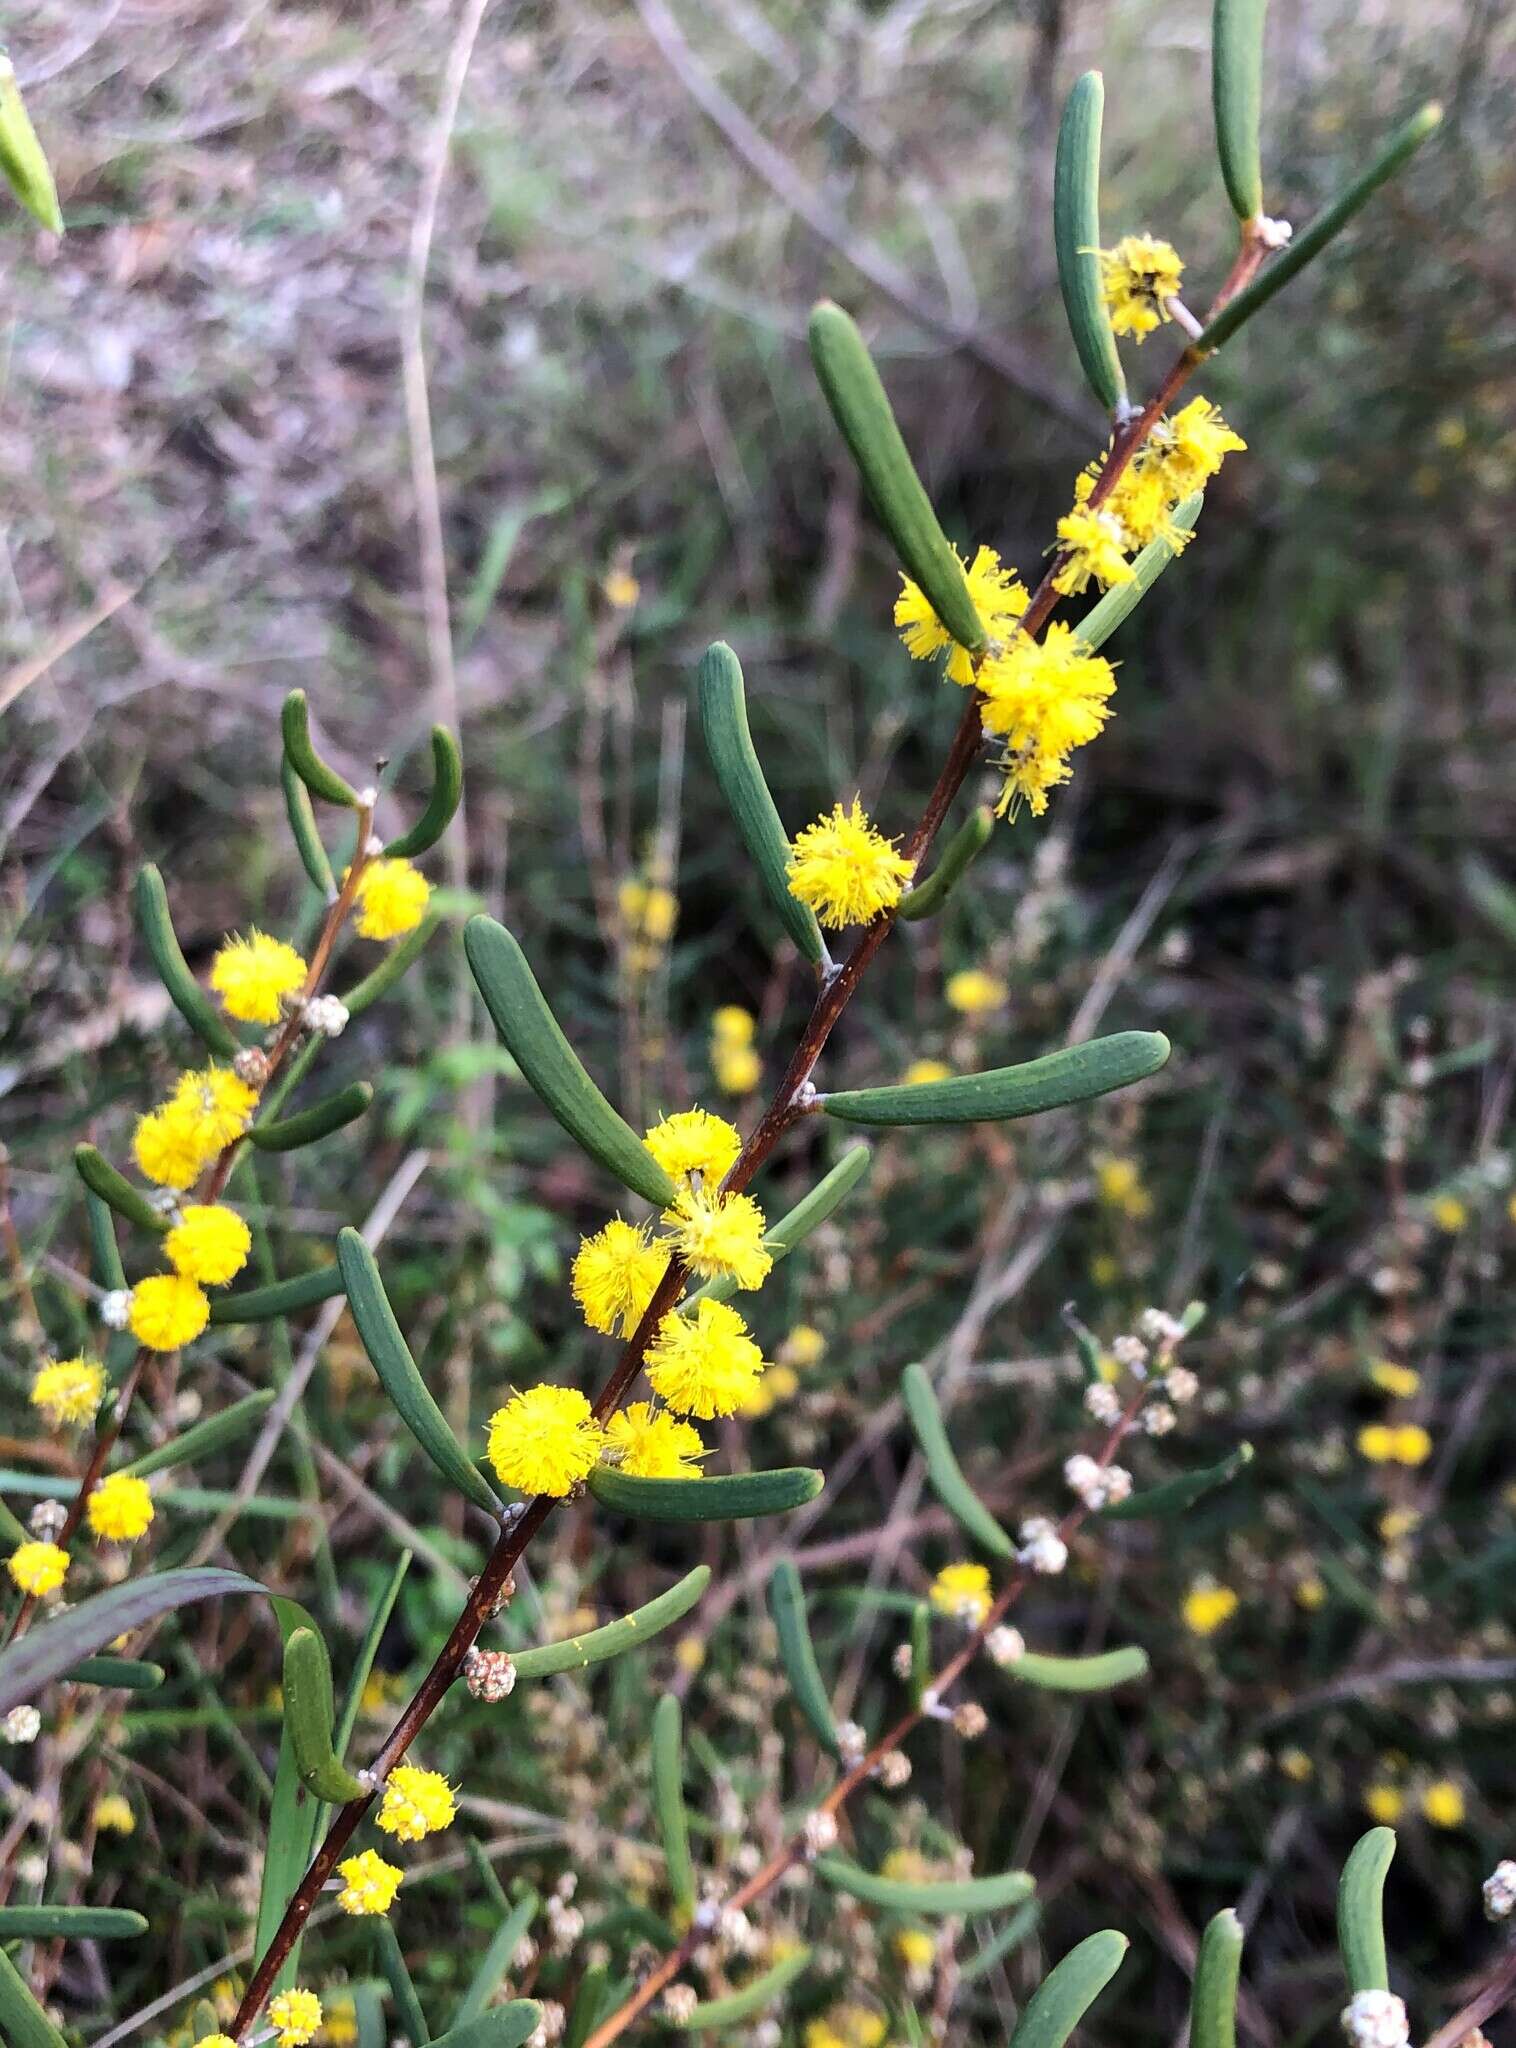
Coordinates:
column 718, row 1235
column 1413, row 1444
column 1442, row 1803
column 733, row 1026
column 738, row 1068
column 998, row 598
column 1450, row 1214
column 120, row 1508
column 169, row 1146
column 1045, row 698
column 922, row 1071
column 804, row 1346
column 416, row 1803
column 1402, row 1381
column 167, row 1311
column 220, row 1103
column 1138, row 277
column 846, row 871
column 391, row 900
column 703, row 1364
column 295, row 2017
column 778, row 1383
column 1091, row 544
column 68, row 1390
column 1207, row 1606
column 253, row 976
column 1192, row 446
column 915, row 1948
column 1383, row 1802
column 1384, row 1443
column 694, row 1141
column 963, row 1591
column 545, row 1440
column 222, row 2041
column 209, row 1243
column 973, row 991
column 651, row 1444
column 616, row 1273
column 369, row 1884
column 112, row 1815
column 38, row 1568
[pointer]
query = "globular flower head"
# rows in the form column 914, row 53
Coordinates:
column 545, row 1440
column 392, row 898
column 1091, row 544
column 733, row 1026
column 1137, row 277
column 253, row 976
column 369, row 1884
column 1046, row 699
column 962, row 1591
column 693, row 1141
column 113, row 1815
column 1193, row 445
column 68, row 1390
column 416, row 1803
column 804, row 1346
column 120, row 1508
column 972, row 991
column 167, row 1311
column 920, row 1072
column 38, row 1568
column 998, row 597
column 1442, row 1803
column 738, row 1068
column 295, row 2017
column 651, row 1444
column 703, row 1364
column 209, row 1243
column 169, row 1146
column 718, row 1235
column 219, row 1101
column 846, row 871
column 1207, row 1606
column 616, row 1273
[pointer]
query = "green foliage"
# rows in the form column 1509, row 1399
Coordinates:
column 1076, row 238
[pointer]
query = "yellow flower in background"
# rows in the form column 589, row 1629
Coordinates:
column 803, row 1347
column 416, row 1803
column 1311, row 1593
column 615, row 1275
column 1395, row 1524
column 210, row 1243
column 1137, row 278
column 1384, row 1443
column 920, row 1071
column 915, row 1948
column 846, row 871
column 660, row 913
column 340, row 2027
column 689, row 1654
column 973, row 991
column 1383, row 1802
column 654, row 1445
column 733, row 1026
column 1450, row 1214
column 621, row 589
column 1442, row 1803
column 112, row 1815
column 392, row 898
column 167, row 1312
column 1105, row 1271
column 295, row 2016
column 998, row 597
column 1376, row 1442
column 1193, row 445
column 1296, row 1765
column 738, row 1069
column 703, row 1364
column 169, row 1146
column 906, row 1866
column 694, row 1141
column 718, row 1235
column 1207, row 1607
column 217, row 2041
column 1399, row 1380
column 369, row 1884
column 120, row 1509
column 1118, row 1183
column 68, row 1390
column 1092, row 545
column 846, row 2026
column 220, row 1104
column 1413, row 1444
column 963, row 1591
column 545, row 1440
column 38, row 1568
column 779, row 1383
column 253, row 976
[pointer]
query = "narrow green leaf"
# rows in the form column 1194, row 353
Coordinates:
column 185, row 993
column 390, row 969
column 577, row 1653
column 1076, row 1074
column 1213, row 2000
column 304, row 830
column 1068, row 1991
column 23, row 161
column 1175, row 1495
column 368, row 2016
column 668, row 1802
column 550, row 1064
column 306, row 1126
column 1325, row 228
column 1119, row 602
column 294, row 1822
column 23, row 2023
column 319, row 779
column 105, row 1253
column 861, row 409
column 1015, row 1931
column 309, row 1715
column 203, row 1438
column 961, row 1895
column 1360, row 1911
column 729, row 741
column 408, row 2013
column 796, row 1225
column 368, row 1649
column 73, row 1923
column 723, row 1497
column 12, row 1531
column 797, row 1653
column 921, row 1651
column 447, row 792
column 103, row 1179
column 1079, row 1674
column 507, row 2026
column 943, row 1469
column 1076, row 239
column 129, row 1673
column 391, row 1359
column 755, row 1995
column 280, row 1298
column 1236, row 96
column 496, row 1960
column 953, row 863
column 590, row 2000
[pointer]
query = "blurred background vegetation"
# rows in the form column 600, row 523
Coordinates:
column 1280, row 853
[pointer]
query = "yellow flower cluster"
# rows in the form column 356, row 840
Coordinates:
column 998, row 596
column 694, row 1142
column 1118, row 1184
column 209, row 1244
column 615, row 1275
column 120, row 1508
column 369, row 1884
column 703, row 1364
column 1207, row 1607
column 648, row 910
column 1138, row 278
column 1045, row 699
column 295, row 2017
column 847, row 2026
column 254, row 977
column 391, row 899
column 734, row 1057
column 1388, row 1443
column 651, row 1444
column 38, row 1568
column 167, row 1311
column 845, row 870
column 416, row 1803
column 1179, row 456
column 1400, row 1380
column 720, row 1236
column 175, row 1142
column 921, row 1071
column 68, row 1390
column 963, row 1591
column 113, row 1815
column 545, row 1440
column 972, row 991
